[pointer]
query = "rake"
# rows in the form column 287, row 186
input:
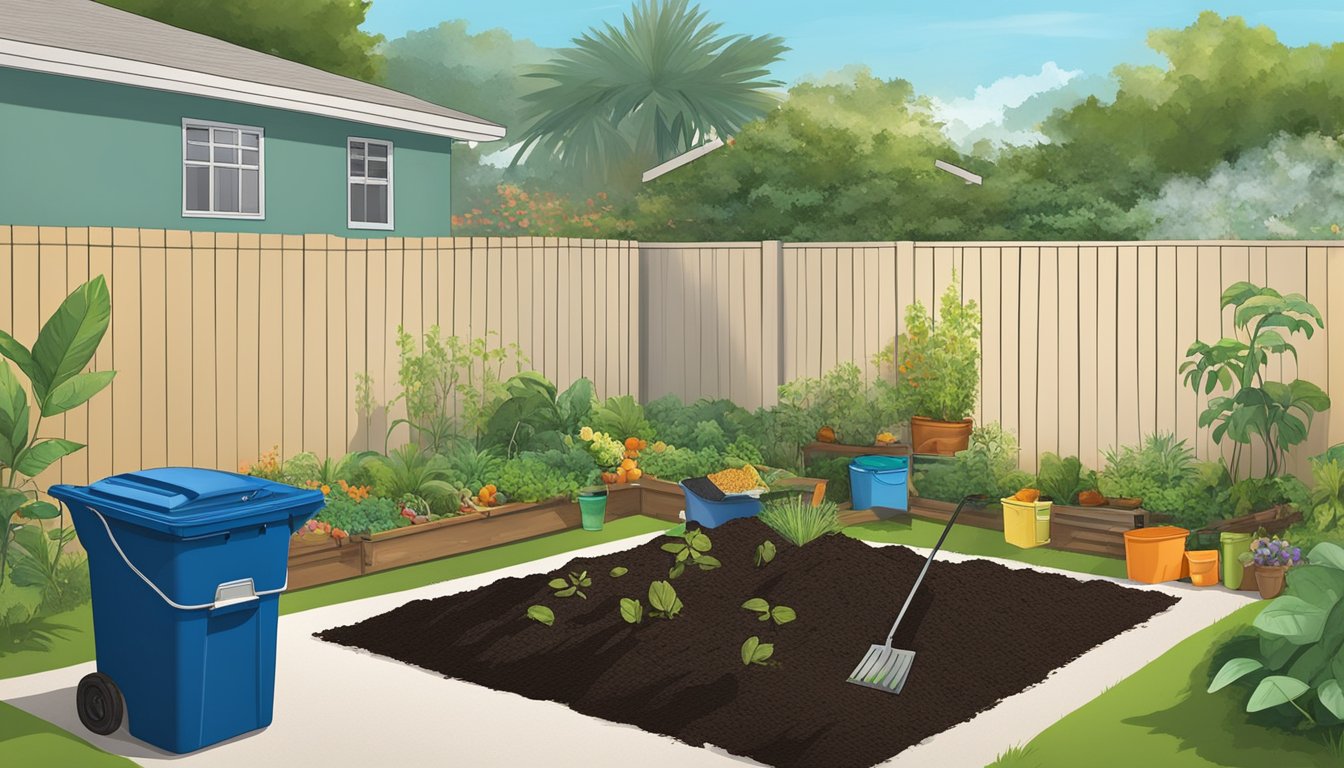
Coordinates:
column 886, row 668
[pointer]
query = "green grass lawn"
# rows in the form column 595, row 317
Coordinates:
column 31, row 741
column 1162, row 716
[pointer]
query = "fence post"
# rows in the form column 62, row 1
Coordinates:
column 772, row 321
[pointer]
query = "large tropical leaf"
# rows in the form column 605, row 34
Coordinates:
column 75, row 391
column 67, row 341
column 42, row 454
column 13, row 416
column 1233, row 670
column 1275, row 690
column 648, row 90
column 12, row 349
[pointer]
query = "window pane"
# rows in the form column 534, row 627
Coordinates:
column 376, row 203
column 198, row 152
column 250, row 139
column 226, row 136
column 356, row 166
column 226, row 190
column 377, row 169
column 251, row 192
column 226, row 155
column 377, row 150
column 357, row 149
column 357, row 202
column 198, row 188
column 198, row 134
column 250, row 157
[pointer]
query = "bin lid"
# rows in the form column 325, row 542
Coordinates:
column 1158, row 533
column 1227, row 537
column 881, row 463
column 186, row 500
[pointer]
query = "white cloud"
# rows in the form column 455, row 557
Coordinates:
column 987, row 107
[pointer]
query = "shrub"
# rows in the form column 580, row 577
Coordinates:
column 841, row 399
column 675, row 464
column 987, row 467
column 1062, row 479
column 798, row 521
column 1161, row 472
column 835, row 471
column 1294, row 662
column 357, row 517
column 622, row 417
column 529, row 478
column 938, row 373
column 680, row 424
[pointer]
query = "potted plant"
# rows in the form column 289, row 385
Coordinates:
column 1273, row 557
column 938, row 372
column 609, row 454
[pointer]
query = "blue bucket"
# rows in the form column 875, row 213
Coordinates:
column 879, row 481
column 712, row 514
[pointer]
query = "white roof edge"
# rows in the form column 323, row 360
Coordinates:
column 682, row 159
column 92, row 66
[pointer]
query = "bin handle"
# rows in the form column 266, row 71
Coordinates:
column 226, row 594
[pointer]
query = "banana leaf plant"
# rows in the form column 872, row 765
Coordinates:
column 1277, row 414
column 54, row 367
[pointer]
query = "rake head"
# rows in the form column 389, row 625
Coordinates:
column 884, row 668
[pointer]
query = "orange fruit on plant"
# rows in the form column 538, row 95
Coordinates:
column 826, row 435
column 621, row 475
column 634, row 474
column 1029, row 495
column 632, row 443
column 628, row 464
column 609, row 478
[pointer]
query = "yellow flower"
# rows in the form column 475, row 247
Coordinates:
column 326, row 489
column 586, row 433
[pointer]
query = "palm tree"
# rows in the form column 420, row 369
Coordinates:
column 647, row 92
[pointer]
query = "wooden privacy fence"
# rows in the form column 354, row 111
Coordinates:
column 1080, row 341
column 228, row 344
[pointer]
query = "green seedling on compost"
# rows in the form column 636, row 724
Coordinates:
column 541, row 614
column 756, row 652
column 782, row 614
column 765, row 552
column 664, row 600
column 570, row 588
column 619, row 571
column 632, row 610
column 690, row 547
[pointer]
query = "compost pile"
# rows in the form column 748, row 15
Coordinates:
column 981, row 631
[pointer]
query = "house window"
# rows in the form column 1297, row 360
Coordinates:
column 370, row 165
column 222, row 171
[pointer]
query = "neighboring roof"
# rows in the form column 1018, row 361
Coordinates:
column 85, row 39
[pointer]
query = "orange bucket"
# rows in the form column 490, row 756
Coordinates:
column 1203, row 565
column 1155, row 555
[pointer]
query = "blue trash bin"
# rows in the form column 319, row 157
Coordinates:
column 712, row 514
column 879, row 481
column 186, row 568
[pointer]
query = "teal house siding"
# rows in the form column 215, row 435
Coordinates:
column 78, row 152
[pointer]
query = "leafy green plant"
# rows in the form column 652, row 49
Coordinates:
column 372, row 515
column 535, row 417
column 765, row 552
column 835, row 471
column 55, row 370
column 794, row 518
column 756, row 652
column 781, row 614
column 841, row 399
column 1161, row 472
column 663, row 598
column 528, row 478
column 1327, row 498
column 938, row 361
column 1300, row 634
column 987, row 467
column 306, row 468
column 618, row 572
column 571, row 587
column 541, row 614
column 1276, row 414
column 411, row 470
column 681, row 424
column 632, row 611
column 1062, row 479
column 690, row 547
column 450, row 389
column 676, row 464
column 622, row 417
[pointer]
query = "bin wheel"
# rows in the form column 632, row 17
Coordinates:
column 99, row 703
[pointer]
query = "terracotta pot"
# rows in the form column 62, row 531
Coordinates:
column 1248, row 583
column 939, row 437
column 1269, row 579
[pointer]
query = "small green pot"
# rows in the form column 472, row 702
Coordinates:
column 593, row 509
column 1233, row 545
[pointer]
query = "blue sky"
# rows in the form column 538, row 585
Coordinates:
column 946, row 47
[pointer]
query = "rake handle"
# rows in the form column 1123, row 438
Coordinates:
column 977, row 500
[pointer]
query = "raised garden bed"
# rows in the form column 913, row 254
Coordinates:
column 989, row 516
column 1094, row 530
column 814, row 450
column 320, row 562
column 981, row 631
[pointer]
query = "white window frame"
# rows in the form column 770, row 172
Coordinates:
column 188, row 122
column 350, row 179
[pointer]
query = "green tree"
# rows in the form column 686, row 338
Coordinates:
column 320, row 33
column 622, row 99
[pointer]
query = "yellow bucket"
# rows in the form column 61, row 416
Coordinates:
column 1026, row 524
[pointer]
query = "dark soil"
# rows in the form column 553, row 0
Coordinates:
column 981, row 631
